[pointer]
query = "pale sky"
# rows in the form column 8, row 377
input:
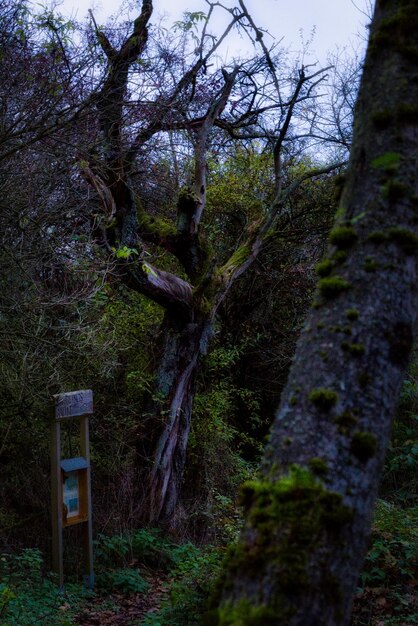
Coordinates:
column 338, row 23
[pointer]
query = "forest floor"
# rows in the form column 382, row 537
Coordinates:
column 145, row 579
column 372, row 606
column 122, row 609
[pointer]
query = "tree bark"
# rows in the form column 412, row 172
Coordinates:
column 175, row 386
column 308, row 516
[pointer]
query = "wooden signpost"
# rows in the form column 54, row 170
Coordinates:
column 70, row 481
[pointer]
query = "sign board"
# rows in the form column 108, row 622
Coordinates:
column 73, row 404
column 74, row 491
column 70, row 481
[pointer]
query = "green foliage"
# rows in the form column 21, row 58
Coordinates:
column 387, row 582
column 400, row 476
column 147, row 546
column 190, row 20
column 221, row 441
column 125, row 580
column 394, row 551
column 386, row 587
column 125, row 252
column 192, row 578
column 112, row 550
column 27, row 598
column 239, row 193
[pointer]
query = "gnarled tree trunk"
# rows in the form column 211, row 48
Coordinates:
column 176, row 386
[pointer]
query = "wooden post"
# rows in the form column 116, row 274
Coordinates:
column 56, row 502
column 88, row 525
column 76, row 404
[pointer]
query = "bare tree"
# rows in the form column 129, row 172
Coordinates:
column 239, row 102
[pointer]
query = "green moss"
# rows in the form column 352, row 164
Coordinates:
column 332, row 286
column 339, row 256
column 404, row 238
column 318, row 466
column 187, row 200
column 293, row 401
column 323, row 399
column 340, row 213
column 370, row 265
column 356, row 349
column 389, row 161
column 363, row 446
column 283, row 517
column 287, row 500
column 347, row 330
column 320, row 325
column 345, row 420
column 324, row 355
column 394, row 190
column 155, row 226
column 377, row 236
column 324, row 268
column 352, row 314
column 342, row 236
column 237, row 258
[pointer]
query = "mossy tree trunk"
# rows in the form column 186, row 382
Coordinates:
column 175, row 392
column 308, row 517
column 126, row 228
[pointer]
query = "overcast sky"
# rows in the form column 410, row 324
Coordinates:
column 337, row 22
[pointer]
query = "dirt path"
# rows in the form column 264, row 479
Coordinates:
column 117, row 609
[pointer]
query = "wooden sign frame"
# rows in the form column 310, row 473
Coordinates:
column 69, row 406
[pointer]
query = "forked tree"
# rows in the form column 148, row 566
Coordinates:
column 190, row 300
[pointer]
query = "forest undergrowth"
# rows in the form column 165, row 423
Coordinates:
column 146, row 578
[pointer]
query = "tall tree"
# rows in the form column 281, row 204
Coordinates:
column 308, row 517
column 197, row 103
